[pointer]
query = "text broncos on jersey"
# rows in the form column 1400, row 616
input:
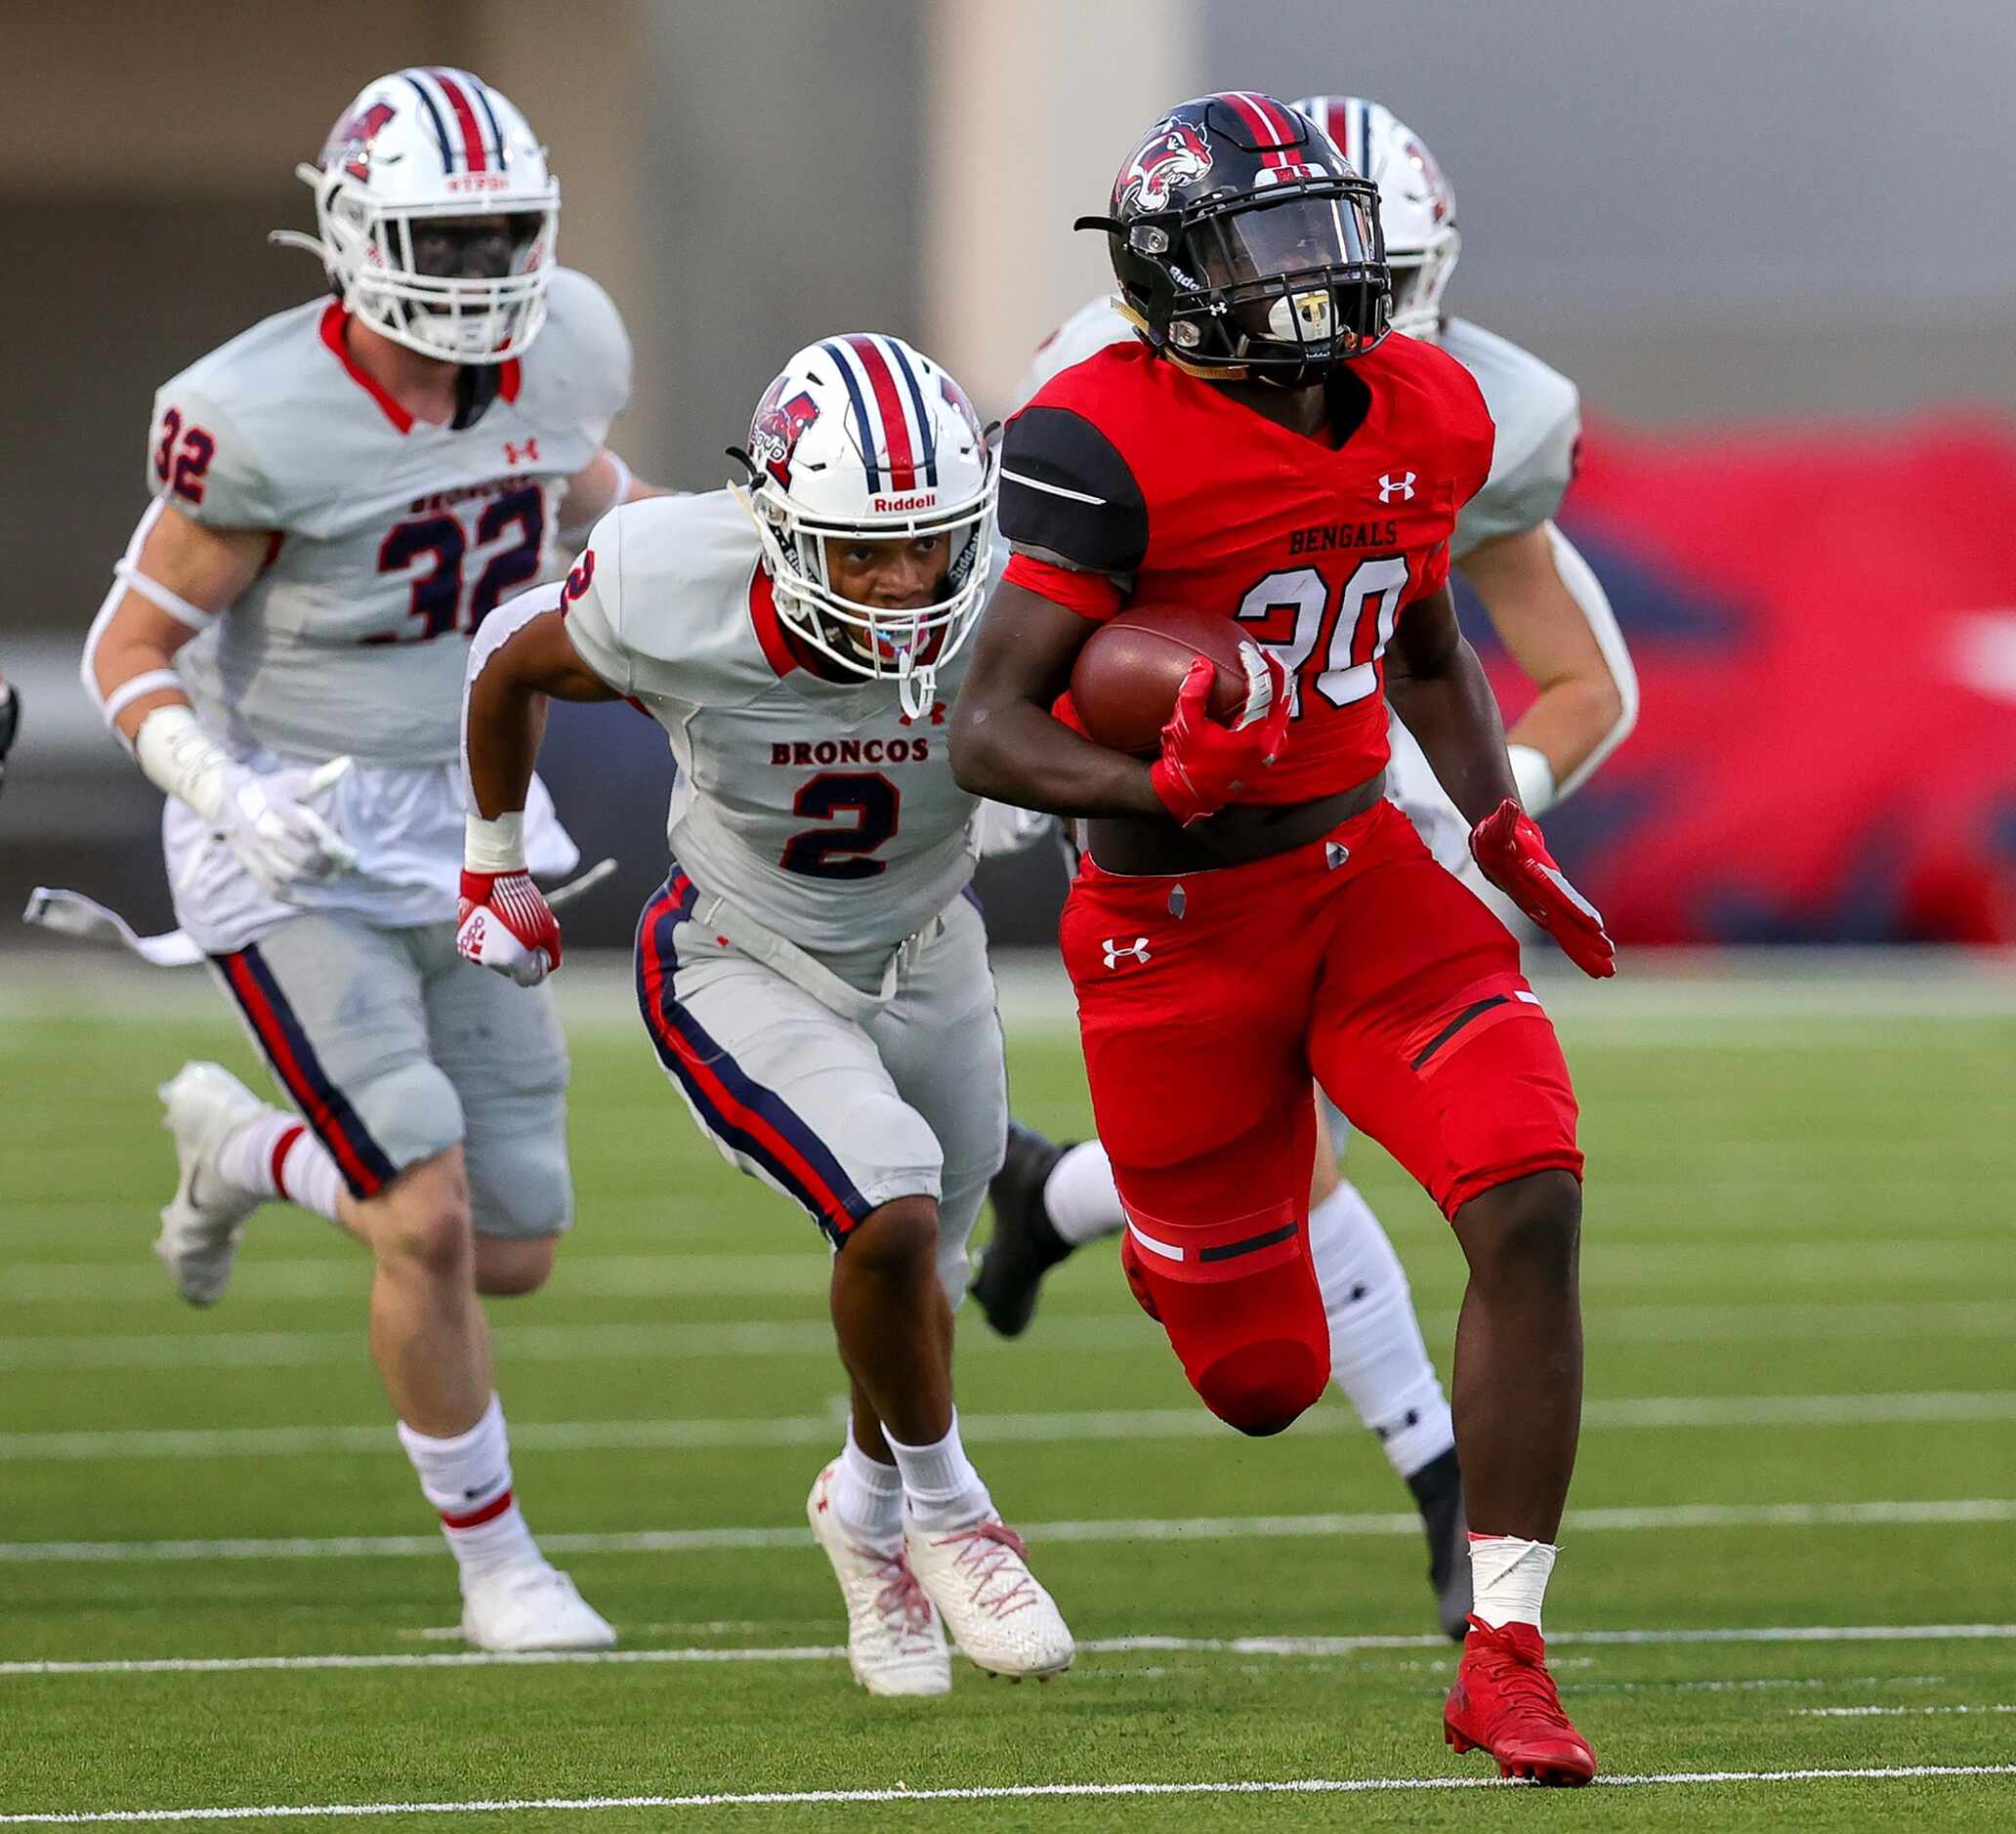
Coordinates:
column 874, row 751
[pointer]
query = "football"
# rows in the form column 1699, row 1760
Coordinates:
column 1125, row 680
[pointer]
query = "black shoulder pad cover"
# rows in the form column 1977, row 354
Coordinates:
column 1067, row 492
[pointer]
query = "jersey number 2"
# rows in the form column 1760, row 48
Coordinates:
column 1329, row 642
column 870, row 797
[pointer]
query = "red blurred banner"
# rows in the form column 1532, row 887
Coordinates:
column 1824, row 627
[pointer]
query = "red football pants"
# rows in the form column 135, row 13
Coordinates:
column 1207, row 1001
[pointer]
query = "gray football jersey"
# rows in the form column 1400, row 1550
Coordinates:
column 393, row 538
column 1535, row 407
column 1538, row 417
column 815, row 805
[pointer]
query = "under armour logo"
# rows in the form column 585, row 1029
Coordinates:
column 937, row 716
column 529, row 454
column 1136, row 950
column 1401, row 488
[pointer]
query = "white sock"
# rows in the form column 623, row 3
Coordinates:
column 1508, row 1579
column 468, row 1480
column 1080, row 1196
column 1376, row 1353
column 867, row 1495
column 941, row 1488
column 274, row 1155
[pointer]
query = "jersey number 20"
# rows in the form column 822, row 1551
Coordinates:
column 1329, row 642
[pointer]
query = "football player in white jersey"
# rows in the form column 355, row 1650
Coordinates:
column 1556, row 623
column 813, row 975
column 341, row 495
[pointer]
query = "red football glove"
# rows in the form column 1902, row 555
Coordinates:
column 505, row 924
column 1512, row 856
column 1202, row 761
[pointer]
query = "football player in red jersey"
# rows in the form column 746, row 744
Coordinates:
column 1251, row 907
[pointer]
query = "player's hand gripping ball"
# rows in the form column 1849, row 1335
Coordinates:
column 1124, row 684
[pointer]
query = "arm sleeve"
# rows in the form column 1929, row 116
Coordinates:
column 591, row 604
column 1071, row 506
column 199, row 462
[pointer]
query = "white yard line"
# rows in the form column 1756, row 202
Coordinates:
column 1020, row 1792
column 1149, row 1528
column 1887, row 1713
column 1113, row 1332
column 1642, row 1413
column 1287, row 1647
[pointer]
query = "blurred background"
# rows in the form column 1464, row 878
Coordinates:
column 1773, row 241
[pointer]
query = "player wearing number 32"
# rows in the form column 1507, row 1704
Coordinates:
column 1268, row 451
column 341, row 495
column 813, row 976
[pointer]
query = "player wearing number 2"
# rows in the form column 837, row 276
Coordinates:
column 1251, row 907
column 814, row 976
column 341, row 495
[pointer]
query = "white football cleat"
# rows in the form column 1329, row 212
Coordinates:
column 203, row 1223
column 532, row 1606
column 896, row 1643
column 995, row 1608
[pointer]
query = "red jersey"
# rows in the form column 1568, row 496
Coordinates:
column 1126, row 479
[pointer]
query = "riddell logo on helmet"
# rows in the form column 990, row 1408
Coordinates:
column 928, row 502
column 476, row 182
column 1175, row 152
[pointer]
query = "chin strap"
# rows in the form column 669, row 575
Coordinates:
column 916, row 688
column 1203, row 372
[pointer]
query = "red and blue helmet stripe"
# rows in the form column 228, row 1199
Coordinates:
column 458, row 109
column 888, row 401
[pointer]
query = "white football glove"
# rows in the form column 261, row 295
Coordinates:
column 264, row 819
column 278, row 836
column 1000, row 828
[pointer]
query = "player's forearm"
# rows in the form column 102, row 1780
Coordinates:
column 1015, row 752
column 1567, row 721
column 503, row 721
column 1453, row 715
column 132, row 679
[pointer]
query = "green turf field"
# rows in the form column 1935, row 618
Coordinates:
column 1789, row 1552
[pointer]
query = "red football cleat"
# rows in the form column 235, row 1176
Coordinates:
column 1504, row 1702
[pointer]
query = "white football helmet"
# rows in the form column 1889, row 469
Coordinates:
column 412, row 171
column 1418, row 208
column 864, row 438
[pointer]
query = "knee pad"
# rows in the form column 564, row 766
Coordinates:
column 520, row 1183
column 1263, row 1387
column 1256, row 1349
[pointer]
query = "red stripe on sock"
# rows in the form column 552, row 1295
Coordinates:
column 281, row 1147
column 475, row 1519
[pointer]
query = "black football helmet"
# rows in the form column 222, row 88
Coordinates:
column 1244, row 243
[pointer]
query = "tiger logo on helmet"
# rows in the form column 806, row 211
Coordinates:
column 1175, row 152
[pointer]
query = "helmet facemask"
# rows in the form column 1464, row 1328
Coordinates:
column 1289, row 284
column 398, row 271
column 877, row 643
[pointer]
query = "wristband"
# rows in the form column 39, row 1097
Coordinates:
column 183, row 760
column 494, row 846
column 1534, row 776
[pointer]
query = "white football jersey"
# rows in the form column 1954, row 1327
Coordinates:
column 391, row 540
column 1535, row 407
column 394, row 538
column 815, row 805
